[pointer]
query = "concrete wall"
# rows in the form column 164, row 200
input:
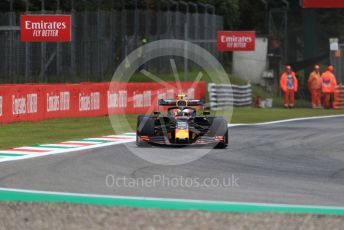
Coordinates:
column 249, row 65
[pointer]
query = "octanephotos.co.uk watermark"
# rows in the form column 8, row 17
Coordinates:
column 161, row 180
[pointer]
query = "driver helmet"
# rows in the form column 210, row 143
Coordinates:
column 186, row 112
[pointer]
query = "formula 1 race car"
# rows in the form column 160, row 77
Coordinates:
column 181, row 126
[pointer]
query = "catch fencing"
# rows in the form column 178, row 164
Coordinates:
column 337, row 60
column 223, row 96
column 101, row 39
column 35, row 102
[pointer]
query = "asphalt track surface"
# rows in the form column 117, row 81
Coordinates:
column 298, row 162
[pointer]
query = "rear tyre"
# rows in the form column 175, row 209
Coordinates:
column 144, row 127
column 219, row 127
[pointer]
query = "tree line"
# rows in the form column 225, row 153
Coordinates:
column 235, row 12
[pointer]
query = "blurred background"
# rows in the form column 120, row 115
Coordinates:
column 105, row 31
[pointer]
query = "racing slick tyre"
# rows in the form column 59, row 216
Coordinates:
column 144, row 127
column 219, row 127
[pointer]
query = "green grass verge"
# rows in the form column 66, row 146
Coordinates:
column 49, row 131
column 253, row 115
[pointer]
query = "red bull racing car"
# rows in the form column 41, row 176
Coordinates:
column 181, row 126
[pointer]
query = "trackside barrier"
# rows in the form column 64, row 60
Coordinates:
column 35, row 102
column 224, row 95
column 338, row 102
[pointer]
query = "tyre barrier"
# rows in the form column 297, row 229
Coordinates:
column 222, row 96
column 338, row 102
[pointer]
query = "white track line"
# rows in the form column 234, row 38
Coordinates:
column 286, row 120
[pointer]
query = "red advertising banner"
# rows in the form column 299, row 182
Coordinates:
column 236, row 41
column 34, row 102
column 322, row 3
column 45, row 28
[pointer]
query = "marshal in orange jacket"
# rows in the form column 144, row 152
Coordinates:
column 328, row 82
column 314, row 81
column 284, row 83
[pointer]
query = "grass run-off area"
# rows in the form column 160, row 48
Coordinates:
column 49, row 131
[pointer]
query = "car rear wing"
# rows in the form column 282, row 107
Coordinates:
column 174, row 102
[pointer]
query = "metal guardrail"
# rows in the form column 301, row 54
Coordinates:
column 222, row 96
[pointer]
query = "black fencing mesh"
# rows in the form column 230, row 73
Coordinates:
column 100, row 41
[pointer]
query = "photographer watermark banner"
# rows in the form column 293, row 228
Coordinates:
column 45, row 28
column 236, row 41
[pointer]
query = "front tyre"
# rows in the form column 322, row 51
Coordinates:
column 144, row 127
column 219, row 127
